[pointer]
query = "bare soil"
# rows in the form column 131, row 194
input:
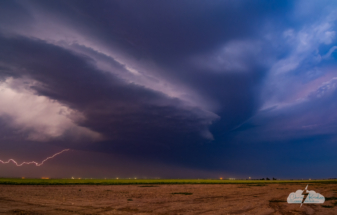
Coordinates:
column 162, row 199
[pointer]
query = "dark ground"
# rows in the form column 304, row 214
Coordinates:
column 162, row 199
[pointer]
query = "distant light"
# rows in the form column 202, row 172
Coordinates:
column 22, row 177
column 79, row 178
column 135, row 178
column 44, row 178
column 72, row 177
column 220, row 178
column 117, row 178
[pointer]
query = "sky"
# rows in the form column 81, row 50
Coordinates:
column 169, row 89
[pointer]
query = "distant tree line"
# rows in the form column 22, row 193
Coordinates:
column 268, row 179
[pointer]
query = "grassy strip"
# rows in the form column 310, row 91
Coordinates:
column 18, row 181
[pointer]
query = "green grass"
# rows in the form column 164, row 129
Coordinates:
column 27, row 181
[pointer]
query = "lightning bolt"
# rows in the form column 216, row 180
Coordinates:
column 34, row 162
column 305, row 194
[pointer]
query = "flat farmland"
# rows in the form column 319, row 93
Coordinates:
column 33, row 196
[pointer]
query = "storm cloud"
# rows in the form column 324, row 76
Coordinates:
column 221, row 87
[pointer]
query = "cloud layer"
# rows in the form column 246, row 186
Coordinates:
column 215, row 86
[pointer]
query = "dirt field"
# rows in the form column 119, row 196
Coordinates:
column 162, row 199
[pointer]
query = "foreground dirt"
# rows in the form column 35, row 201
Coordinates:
column 161, row 199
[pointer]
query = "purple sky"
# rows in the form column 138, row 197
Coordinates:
column 174, row 89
